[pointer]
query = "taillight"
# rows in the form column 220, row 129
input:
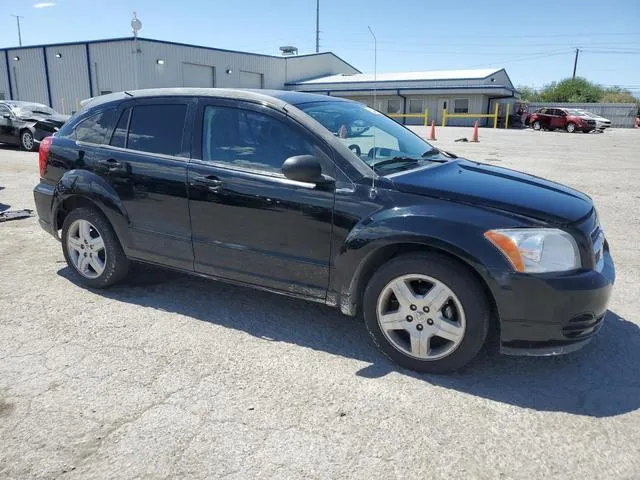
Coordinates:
column 45, row 145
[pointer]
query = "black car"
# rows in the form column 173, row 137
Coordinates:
column 249, row 187
column 26, row 123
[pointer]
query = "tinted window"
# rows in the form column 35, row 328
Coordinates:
column 119, row 137
column 249, row 139
column 94, row 129
column 157, row 128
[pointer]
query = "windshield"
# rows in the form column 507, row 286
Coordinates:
column 374, row 138
column 26, row 109
column 573, row 111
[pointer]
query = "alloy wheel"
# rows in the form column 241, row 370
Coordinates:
column 421, row 316
column 27, row 141
column 86, row 249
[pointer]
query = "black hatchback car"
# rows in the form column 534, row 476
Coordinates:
column 250, row 187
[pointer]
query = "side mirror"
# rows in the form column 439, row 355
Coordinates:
column 305, row 168
column 7, row 116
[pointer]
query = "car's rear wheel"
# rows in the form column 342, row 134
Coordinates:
column 426, row 312
column 92, row 250
column 536, row 125
column 26, row 141
column 571, row 127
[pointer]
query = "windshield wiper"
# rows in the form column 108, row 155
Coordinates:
column 390, row 161
column 435, row 151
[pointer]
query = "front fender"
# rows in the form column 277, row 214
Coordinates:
column 85, row 185
column 451, row 228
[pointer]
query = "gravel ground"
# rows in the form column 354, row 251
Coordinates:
column 170, row 376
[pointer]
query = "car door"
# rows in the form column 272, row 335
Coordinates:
column 250, row 223
column 6, row 125
column 145, row 158
column 558, row 119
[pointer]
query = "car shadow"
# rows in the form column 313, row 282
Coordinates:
column 601, row 380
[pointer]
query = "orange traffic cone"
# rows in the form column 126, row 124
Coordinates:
column 475, row 132
column 432, row 135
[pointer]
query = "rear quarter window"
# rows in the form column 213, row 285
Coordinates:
column 94, row 129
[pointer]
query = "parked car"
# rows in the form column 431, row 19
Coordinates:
column 602, row 123
column 26, row 123
column 434, row 251
column 560, row 118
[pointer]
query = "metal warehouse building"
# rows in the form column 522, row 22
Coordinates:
column 456, row 91
column 62, row 75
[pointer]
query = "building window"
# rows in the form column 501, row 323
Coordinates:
column 461, row 105
column 416, row 105
column 394, row 105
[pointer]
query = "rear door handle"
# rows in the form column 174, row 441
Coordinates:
column 214, row 184
column 111, row 163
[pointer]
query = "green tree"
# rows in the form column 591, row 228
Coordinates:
column 529, row 94
column 572, row 90
column 618, row 95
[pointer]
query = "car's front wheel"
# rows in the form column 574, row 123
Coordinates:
column 571, row 127
column 426, row 312
column 26, row 141
column 92, row 250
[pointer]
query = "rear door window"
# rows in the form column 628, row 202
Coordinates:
column 157, row 128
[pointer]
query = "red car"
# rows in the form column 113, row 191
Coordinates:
column 559, row 118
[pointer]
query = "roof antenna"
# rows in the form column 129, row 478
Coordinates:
column 373, row 192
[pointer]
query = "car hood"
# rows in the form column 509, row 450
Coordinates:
column 496, row 187
column 56, row 120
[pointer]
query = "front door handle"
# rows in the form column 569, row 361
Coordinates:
column 213, row 184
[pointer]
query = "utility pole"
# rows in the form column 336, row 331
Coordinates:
column 575, row 63
column 317, row 26
column 18, row 17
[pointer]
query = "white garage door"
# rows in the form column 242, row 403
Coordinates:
column 197, row 75
column 250, row 79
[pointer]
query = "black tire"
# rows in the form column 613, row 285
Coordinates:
column 461, row 282
column 536, row 125
column 571, row 127
column 116, row 262
column 27, row 142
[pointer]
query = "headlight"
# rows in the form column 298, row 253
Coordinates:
column 537, row 250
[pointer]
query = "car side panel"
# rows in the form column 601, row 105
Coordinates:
column 454, row 228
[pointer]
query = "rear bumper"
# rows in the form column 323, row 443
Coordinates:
column 550, row 315
column 43, row 196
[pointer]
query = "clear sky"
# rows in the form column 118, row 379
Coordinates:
column 534, row 40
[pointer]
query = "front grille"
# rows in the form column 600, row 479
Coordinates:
column 582, row 326
column 591, row 122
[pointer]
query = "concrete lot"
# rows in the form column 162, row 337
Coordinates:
column 170, row 376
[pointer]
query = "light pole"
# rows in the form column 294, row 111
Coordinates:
column 375, row 64
column 18, row 17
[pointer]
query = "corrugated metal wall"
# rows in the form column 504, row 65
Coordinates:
column 68, row 77
column 126, row 65
column 27, row 75
column 4, row 79
column 622, row 115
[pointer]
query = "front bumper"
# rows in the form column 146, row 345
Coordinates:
column 553, row 314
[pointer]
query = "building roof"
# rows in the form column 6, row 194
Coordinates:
column 402, row 76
